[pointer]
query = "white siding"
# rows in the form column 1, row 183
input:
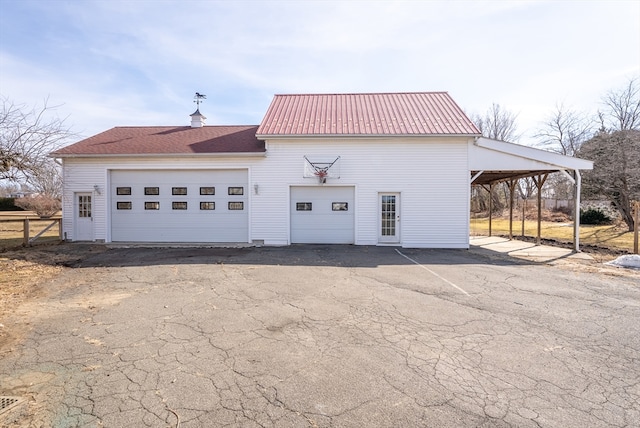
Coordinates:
column 431, row 175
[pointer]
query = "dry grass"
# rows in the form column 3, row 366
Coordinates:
column 613, row 237
column 11, row 232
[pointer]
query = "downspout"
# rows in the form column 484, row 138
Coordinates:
column 576, row 213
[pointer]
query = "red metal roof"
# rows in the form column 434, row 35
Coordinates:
column 411, row 113
column 142, row 140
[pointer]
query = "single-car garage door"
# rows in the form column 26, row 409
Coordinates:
column 322, row 215
column 179, row 206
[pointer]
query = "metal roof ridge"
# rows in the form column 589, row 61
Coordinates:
column 360, row 93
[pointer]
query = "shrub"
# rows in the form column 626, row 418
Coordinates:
column 8, row 204
column 43, row 205
column 594, row 216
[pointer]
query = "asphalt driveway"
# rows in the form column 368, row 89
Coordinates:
column 319, row 336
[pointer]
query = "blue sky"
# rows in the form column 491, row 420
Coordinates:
column 137, row 62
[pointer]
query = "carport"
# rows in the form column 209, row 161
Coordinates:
column 492, row 162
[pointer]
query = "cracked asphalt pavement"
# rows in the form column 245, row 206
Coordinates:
column 327, row 336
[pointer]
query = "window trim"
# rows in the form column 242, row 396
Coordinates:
column 176, row 191
column 338, row 204
column 123, row 191
column 304, row 206
column 148, row 191
column 204, row 188
column 235, row 190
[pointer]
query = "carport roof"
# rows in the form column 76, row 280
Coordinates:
column 153, row 140
column 492, row 161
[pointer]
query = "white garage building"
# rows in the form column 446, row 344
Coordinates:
column 365, row 169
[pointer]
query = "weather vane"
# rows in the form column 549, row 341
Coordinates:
column 198, row 98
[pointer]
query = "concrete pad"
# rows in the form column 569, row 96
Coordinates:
column 526, row 250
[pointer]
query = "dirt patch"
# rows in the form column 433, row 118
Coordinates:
column 24, row 273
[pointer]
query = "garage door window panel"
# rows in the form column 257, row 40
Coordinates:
column 151, row 191
column 236, row 206
column 339, row 206
column 152, row 205
column 207, row 191
column 123, row 190
column 123, row 205
column 178, row 205
column 207, row 206
column 303, row 206
column 179, row 191
column 236, row 191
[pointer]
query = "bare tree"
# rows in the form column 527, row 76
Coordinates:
column 526, row 187
column 48, row 179
column 622, row 107
column 498, row 124
column 27, row 136
column 616, row 169
column 564, row 131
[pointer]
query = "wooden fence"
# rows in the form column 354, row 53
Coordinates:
column 26, row 218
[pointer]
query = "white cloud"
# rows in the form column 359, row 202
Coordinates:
column 139, row 62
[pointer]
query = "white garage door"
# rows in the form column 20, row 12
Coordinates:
column 322, row 215
column 179, row 206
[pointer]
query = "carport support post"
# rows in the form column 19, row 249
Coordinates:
column 539, row 180
column 512, row 189
column 490, row 205
column 524, row 211
column 636, row 226
column 576, row 212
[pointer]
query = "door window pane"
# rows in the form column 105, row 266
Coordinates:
column 84, row 206
column 388, row 215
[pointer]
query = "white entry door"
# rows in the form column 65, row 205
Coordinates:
column 83, row 217
column 389, row 209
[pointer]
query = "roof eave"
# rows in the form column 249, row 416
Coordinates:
column 157, row 155
column 293, row 136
